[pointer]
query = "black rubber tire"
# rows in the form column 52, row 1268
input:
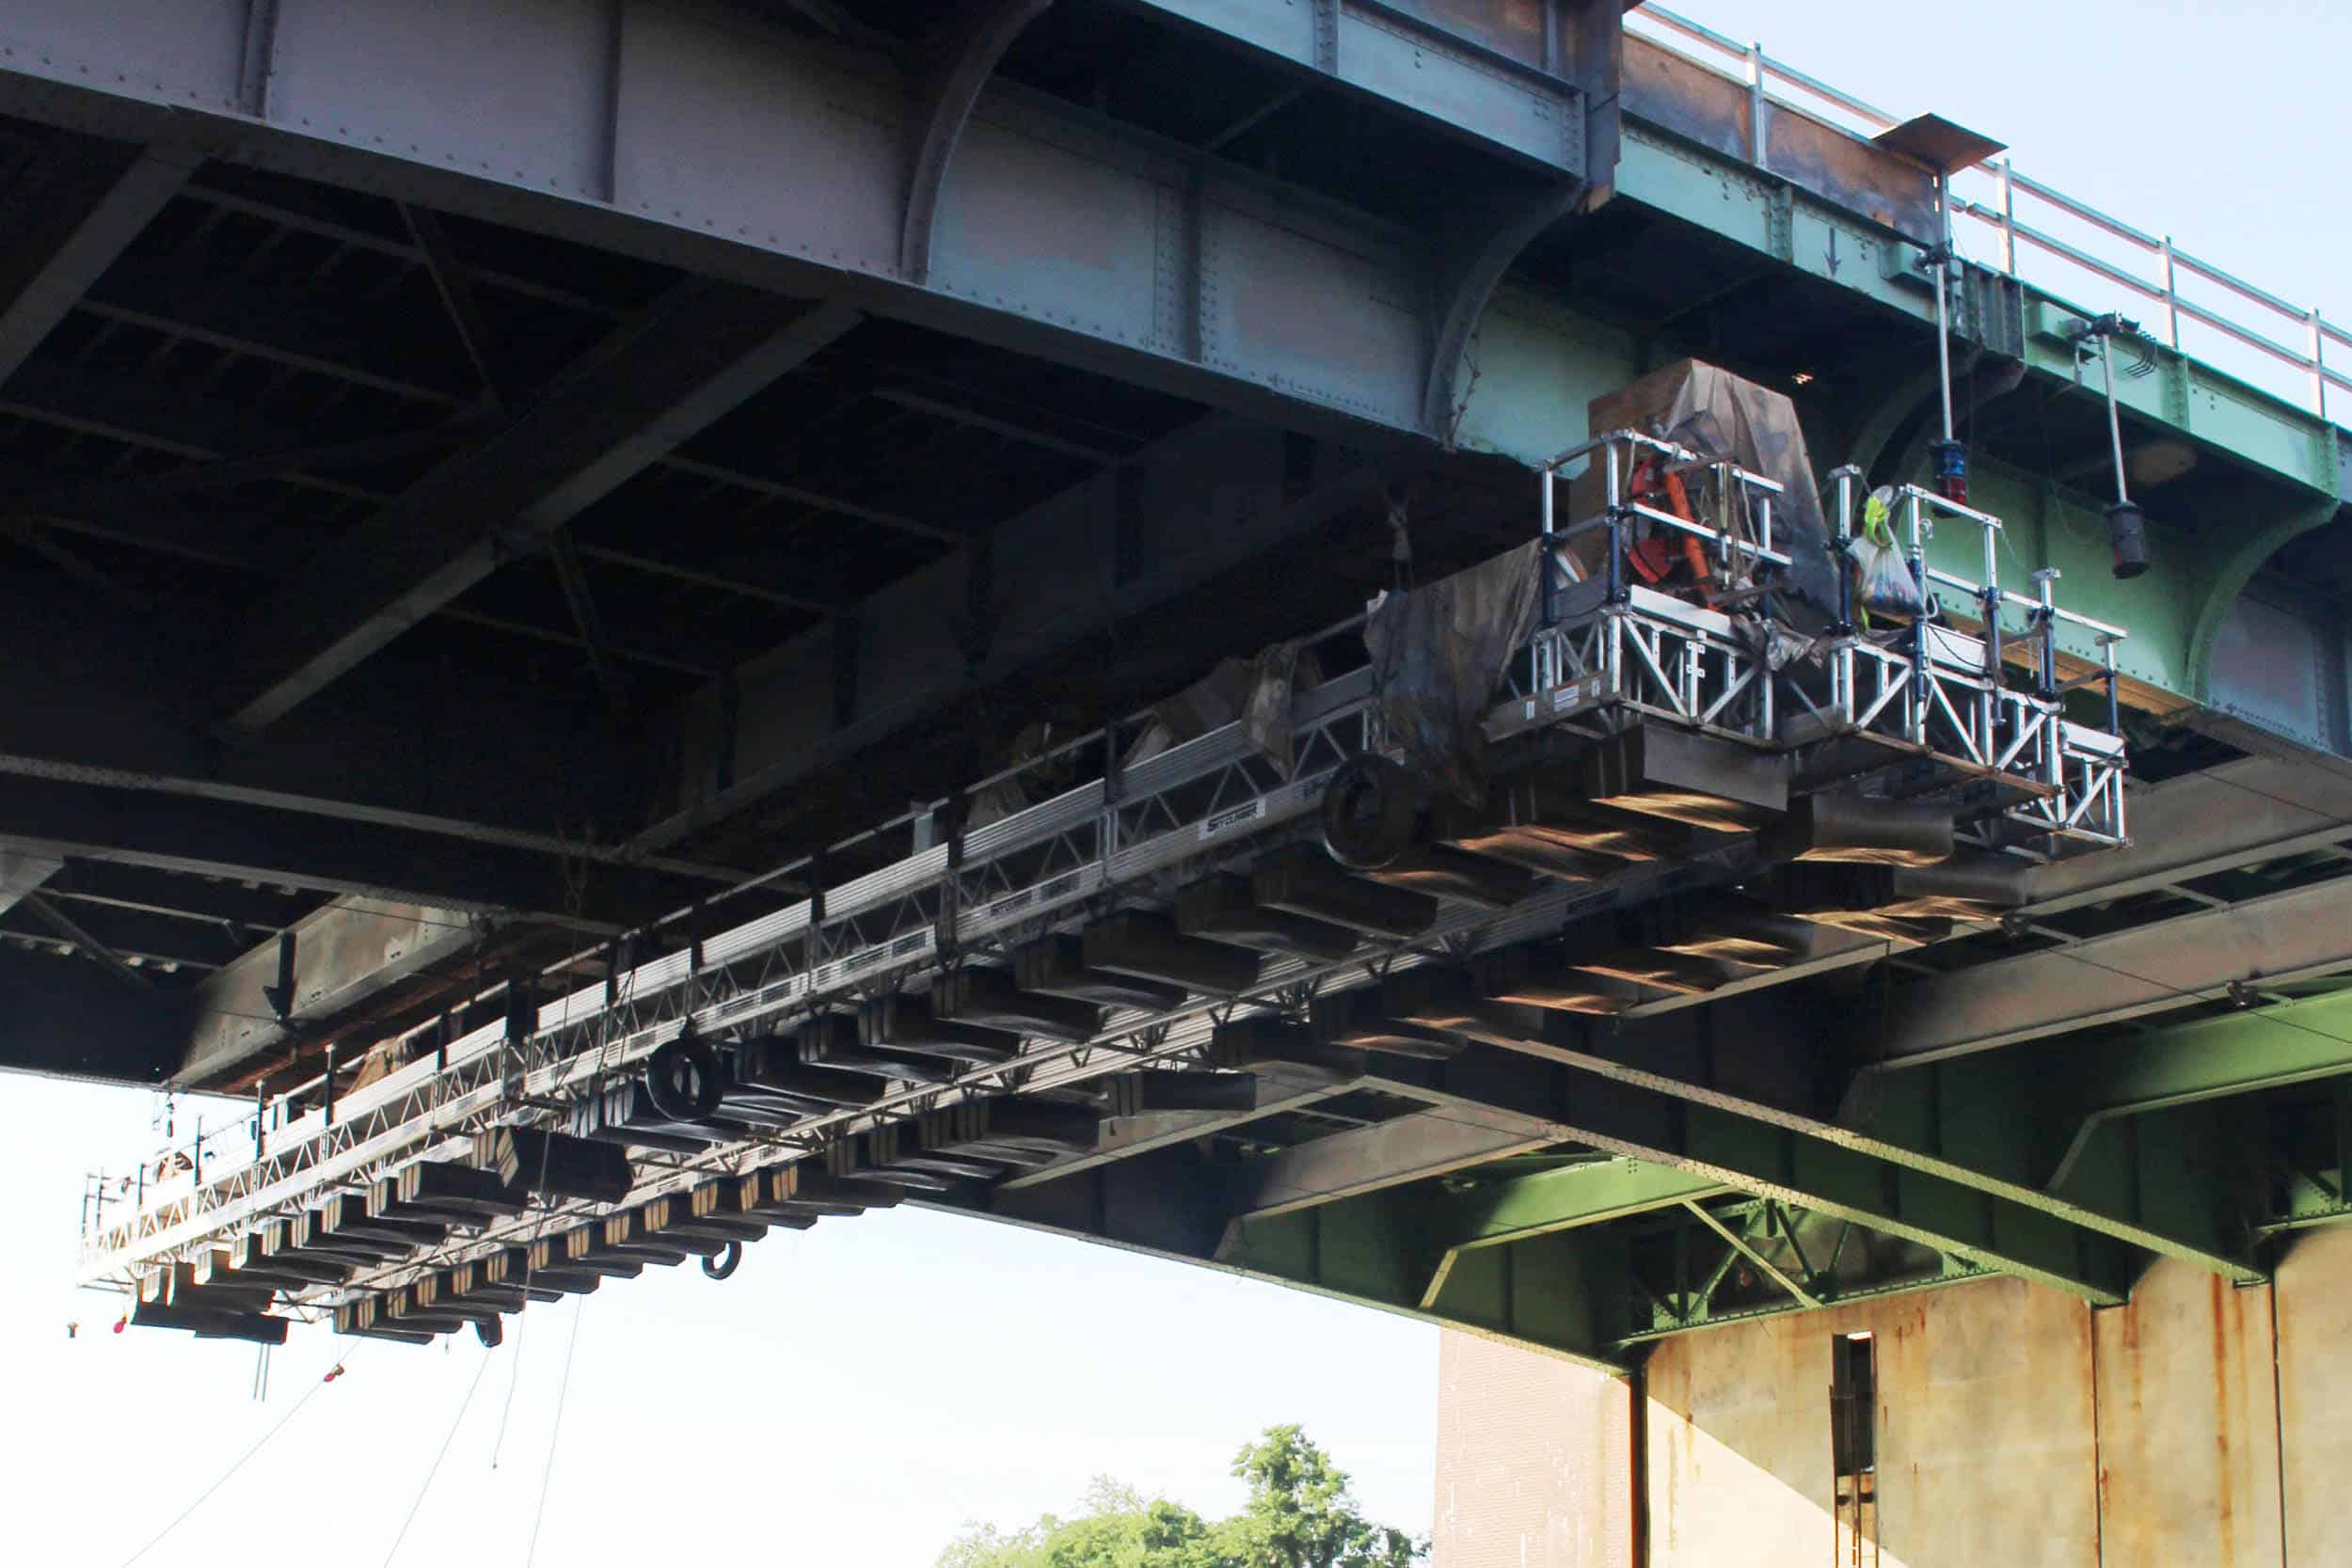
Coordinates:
column 682, row 1080
column 732, row 1253
column 1369, row 812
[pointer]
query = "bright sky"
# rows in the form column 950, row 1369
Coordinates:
column 855, row 1393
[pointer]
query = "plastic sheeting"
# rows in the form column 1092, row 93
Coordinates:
column 1260, row 691
column 1040, row 777
column 1439, row 653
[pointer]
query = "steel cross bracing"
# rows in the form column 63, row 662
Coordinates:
column 1209, row 802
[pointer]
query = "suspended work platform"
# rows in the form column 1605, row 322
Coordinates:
column 1676, row 799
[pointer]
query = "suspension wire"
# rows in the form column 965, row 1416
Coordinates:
column 230, row 1473
column 514, row 1376
column 2168, row 988
column 434, row 1468
column 2188, row 996
column 547, row 1473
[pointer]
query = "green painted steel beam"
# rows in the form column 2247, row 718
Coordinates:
column 2261, row 1048
column 1374, row 1250
column 1953, row 1271
column 2124, row 1123
column 2311, row 1186
column 1644, row 1121
column 1591, row 1193
column 1524, row 1209
column 1813, row 237
column 1380, row 1255
column 1563, row 1275
column 2166, row 1075
column 2173, row 613
column 1763, row 1060
column 1542, row 1258
column 1738, row 1244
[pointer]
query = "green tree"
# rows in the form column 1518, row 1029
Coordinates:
column 1299, row 1515
column 1119, row 1529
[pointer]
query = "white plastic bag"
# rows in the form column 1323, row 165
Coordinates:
column 1882, row 580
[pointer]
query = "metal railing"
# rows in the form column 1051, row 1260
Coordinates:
column 2259, row 335
column 1609, row 646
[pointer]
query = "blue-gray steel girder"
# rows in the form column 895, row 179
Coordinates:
column 699, row 137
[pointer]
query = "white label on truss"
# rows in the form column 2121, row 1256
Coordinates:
column 1232, row 817
column 1576, row 692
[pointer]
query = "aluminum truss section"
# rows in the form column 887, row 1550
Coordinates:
column 1004, row 883
column 1612, row 650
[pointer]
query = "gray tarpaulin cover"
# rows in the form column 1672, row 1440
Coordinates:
column 1439, row 653
column 1039, row 781
column 1260, row 691
column 1719, row 414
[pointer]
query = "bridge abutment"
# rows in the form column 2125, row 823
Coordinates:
column 2201, row 1422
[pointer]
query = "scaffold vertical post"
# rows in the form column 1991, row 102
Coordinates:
column 1755, row 104
column 1920, row 528
column 2009, row 218
column 2317, row 338
column 2169, row 279
column 1841, row 671
column 2046, row 626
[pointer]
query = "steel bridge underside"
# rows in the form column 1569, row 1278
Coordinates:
column 482, row 481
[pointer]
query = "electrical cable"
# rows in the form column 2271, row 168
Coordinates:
column 434, row 1468
column 228, row 1475
column 563, row 1392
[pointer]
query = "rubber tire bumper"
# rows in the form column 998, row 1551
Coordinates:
column 682, row 1079
column 1369, row 813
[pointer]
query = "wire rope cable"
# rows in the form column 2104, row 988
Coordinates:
column 546, row 1472
column 434, row 1469
column 226, row 1476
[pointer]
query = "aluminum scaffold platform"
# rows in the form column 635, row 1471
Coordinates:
column 1681, row 805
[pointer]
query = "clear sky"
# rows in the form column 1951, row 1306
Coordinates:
column 852, row 1396
column 855, row 1393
